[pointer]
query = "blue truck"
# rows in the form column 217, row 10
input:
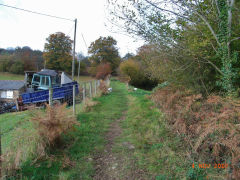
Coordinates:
column 38, row 85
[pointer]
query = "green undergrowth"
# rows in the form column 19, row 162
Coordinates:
column 74, row 159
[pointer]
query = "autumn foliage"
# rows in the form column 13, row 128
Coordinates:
column 133, row 71
column 210, row 126
column 103, row 70
column 57, row 52
column 56, row 121
column 104, row 50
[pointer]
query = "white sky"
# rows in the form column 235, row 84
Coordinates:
column 19, row 28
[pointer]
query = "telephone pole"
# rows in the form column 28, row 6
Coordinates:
column 74, row 44
column 79, row 61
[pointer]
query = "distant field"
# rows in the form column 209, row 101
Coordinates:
column 9, row 76
column 84, row 78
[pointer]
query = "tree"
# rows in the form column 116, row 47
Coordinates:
column 104, row 50
column 127, row 56
column 22, row 59
column 57, row 52
column 199, row 36
column 17, row 68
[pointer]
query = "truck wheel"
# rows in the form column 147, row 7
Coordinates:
column 56, row 102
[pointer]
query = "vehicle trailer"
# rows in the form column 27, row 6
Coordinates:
column 40, row 83
column 64, row 93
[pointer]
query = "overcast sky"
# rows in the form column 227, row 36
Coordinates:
column 20, row 28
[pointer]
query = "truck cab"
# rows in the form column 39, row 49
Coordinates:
column 45, row 79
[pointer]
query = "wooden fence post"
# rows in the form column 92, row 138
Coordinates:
column 95, row 87
column 90, row 89
column 50, row 96
column 84, row 91
column 98, row 83
column 74, row 103
column 17, row 107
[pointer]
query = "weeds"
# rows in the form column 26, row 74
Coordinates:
column 55, row 121
column 211, row 125
column 103, row 87
column 89, row 104
column 25, row 144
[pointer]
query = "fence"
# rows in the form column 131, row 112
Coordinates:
column 79, row 93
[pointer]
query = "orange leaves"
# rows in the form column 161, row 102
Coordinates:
column 103, row 70
column 53, row 123
column 212, row 125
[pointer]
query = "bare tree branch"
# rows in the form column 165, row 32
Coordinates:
column 166, row 10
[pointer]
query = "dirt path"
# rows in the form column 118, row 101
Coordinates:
column 107, row 163
column 112, row 165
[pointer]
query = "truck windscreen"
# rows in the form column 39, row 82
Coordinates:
column 36, row 79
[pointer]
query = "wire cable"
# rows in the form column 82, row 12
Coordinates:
column 34, row 12
column 68, row 34
column 84, row 41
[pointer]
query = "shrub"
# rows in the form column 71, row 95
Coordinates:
column 103, row 70
column 132, row 69
column 135, row 72
column 159, row 86
column 56, row 121
column 103, row 87
column 210, row 126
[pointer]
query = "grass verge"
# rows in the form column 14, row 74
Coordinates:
column 74, row 160
column 8, row 124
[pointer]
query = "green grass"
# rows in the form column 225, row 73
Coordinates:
column 19, row 138
column 8, row 123
column 84, row 142
column 158, row 152
column 84, row 78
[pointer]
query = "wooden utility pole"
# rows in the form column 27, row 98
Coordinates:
column 74, row 44
column 74, row 102
column 79, row 70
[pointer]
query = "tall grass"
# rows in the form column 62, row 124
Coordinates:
column 31, row 141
